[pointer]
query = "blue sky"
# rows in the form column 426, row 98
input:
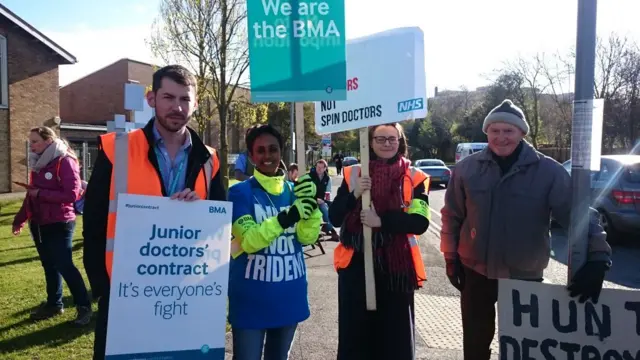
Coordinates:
column 464, row 39
column 69, row 15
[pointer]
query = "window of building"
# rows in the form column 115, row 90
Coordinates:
column 4, row 73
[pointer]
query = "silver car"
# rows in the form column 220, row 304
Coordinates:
column 436, row 169
column 615, row 193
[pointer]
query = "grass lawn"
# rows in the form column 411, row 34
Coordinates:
column 22, row 288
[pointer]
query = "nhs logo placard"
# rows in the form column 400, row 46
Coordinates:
column 410, row 105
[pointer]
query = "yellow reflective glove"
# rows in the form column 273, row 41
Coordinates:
column 304, row 187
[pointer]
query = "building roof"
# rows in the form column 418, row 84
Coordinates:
column 128, row 60
column 37, row 34
column 107, row 66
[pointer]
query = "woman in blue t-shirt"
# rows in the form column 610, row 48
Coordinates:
column 272, row 220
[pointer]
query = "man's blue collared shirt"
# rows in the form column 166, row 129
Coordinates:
column 174, row 175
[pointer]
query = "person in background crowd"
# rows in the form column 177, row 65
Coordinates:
column 271, row 222
column 337, row 159
column 49, row 207
column 399, row 214
column 292, row 172
column 243, row 167
column 495, row 224
column 165, row 158
column 320, row 176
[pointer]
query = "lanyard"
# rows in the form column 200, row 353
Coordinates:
column 173, row 184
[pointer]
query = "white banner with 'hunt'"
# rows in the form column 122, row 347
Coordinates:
column 541, row 321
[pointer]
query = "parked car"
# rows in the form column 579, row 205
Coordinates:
column 615, row 193
column 436, row 169
column 465, row 149
column 349, row 160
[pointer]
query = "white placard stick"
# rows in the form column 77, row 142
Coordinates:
column 301, row 148
column 369, row 276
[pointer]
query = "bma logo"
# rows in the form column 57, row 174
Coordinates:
column 217, row 210
column 409, row 105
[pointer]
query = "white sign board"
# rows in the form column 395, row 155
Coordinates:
column 541, row 321
column 586, row 138
column 169, row 279
column 386, row 83
column 120, row 121
column 126, row 127
column 143, row 116
column 326, row 145
column 134, row 97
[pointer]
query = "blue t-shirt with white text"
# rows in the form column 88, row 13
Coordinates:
column 267, row 289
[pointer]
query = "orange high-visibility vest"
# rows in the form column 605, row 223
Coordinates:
column 342, row 255
column 133, row 173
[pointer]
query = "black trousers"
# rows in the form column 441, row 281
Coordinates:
column 385, row 334
column 478, row 300
column 100, row 340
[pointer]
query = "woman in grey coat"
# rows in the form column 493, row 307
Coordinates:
column 495, row 224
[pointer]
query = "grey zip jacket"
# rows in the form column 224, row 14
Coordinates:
column 499, row 225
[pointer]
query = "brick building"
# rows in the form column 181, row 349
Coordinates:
column 89, row 102
column 28, row 91
column 96, row 98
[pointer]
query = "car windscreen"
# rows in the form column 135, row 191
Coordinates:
column 632, row 173
column 430, row 163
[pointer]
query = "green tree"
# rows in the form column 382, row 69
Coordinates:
column 247, row 114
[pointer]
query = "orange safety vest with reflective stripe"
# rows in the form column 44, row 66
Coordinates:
column 133, row 173
column 342, row 255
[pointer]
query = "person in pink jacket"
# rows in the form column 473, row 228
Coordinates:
column 49, row 209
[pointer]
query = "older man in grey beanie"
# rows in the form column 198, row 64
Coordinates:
column 495, row 224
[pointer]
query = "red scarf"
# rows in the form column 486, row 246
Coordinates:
column 392, row 252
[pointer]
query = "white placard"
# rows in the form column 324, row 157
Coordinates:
column 143, row 117
column 125, row 127
column 169, row 279
column 386, row 83
column 541, row 321
column 134, row 97
column 326, row 145
column 586, row 137
column 120, row 121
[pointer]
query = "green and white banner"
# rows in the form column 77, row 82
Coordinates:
column 297, row 50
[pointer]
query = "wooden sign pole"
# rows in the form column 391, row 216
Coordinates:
column 369, row 275
column 301, row 149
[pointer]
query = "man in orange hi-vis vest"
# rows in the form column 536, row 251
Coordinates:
column 165, row 158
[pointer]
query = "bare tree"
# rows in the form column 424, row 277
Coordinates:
column 532, row 75
column 610, row 85
column 180, row 35
column 630, row 103
column 558, row 71
column 208, row 36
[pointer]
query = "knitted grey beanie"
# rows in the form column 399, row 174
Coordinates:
column 508, row 113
